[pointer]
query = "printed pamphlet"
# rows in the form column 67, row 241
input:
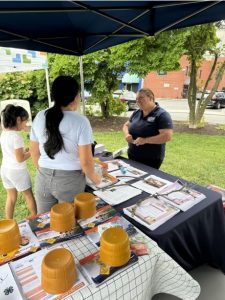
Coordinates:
column 94, row 233
column 29, row 244
column 8, row 287
column 28, row 274
column 118, row 193
column 40, row 225
column 98, row 272
column 102, row 215
column 151, row 212
column 180, row 195
column 151, row 184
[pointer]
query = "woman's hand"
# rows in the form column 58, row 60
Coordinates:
column 129, row 138
column 139, row 141
column 97, row 178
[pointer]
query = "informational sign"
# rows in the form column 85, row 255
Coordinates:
column 14, row 60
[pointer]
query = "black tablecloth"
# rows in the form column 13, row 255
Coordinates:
column 193, row 237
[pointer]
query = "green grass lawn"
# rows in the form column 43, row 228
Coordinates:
column 197, row 158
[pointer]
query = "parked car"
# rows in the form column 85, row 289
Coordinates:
column 217, row 101
column 127, row 97
column 199, row 95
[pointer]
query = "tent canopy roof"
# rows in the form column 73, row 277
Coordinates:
column 81, row 27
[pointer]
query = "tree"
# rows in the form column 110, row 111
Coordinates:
column 199, row 40
column 101, row 73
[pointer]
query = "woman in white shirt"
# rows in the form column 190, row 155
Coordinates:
column 60, row 146
column 14, row 173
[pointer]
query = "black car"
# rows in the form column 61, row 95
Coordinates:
column 217, row 101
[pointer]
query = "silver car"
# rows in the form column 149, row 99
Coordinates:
column 127, row 97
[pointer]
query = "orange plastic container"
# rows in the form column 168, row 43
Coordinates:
column 114, row 247
column 85, row 204
column 62, row 217
column 58, row 271
column 10, row 238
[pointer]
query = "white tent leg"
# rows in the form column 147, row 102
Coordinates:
column 48, row 87
column 82, row 83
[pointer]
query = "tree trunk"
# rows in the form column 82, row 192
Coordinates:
column 192, row 94
column 202, row 105
column 105, row 108
column 196, row 114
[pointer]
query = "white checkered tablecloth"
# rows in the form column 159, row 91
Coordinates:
column 154, row 273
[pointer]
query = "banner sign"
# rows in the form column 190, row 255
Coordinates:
column 13, row 60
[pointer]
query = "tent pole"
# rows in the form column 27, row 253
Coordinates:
column 48, row 87
column 82, row 83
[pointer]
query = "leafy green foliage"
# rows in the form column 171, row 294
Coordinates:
column 15, row 86
column 160, row 52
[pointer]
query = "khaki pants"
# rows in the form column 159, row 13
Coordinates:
column 55, row 186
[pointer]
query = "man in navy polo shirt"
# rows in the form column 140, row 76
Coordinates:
column 147, row 130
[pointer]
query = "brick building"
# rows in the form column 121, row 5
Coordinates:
column 175, row 84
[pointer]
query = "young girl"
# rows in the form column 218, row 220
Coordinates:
column 14, row 173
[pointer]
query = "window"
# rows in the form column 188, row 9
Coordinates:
column 161, row 72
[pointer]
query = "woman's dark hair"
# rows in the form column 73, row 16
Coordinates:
column 64, row 91
column 11, row 113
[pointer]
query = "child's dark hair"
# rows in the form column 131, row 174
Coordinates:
column 11, row 113
column 64, row 91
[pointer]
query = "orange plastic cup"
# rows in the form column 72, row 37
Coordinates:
column 85, row 204
column 114, row 247
column 62, row 217
column 58, row 271
column 10, row 238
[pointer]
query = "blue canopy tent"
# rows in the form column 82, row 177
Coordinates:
column 81, row 27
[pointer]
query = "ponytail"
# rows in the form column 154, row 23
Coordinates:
column 54, row 141
column 64, row 91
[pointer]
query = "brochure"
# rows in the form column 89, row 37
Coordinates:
column 107, row 180
column 29, row 244
column 118, row 193
column 128, row 173
column 115, row 164
column 8, row 287
column 180, row 195
column 217, row 189
column 120, row 152
column 98, row 272
column 151, row 184
column 94, row 234
column 151, row 212
column 102, row 215
column 139, row 244
column 28, row 274
column 46, row 236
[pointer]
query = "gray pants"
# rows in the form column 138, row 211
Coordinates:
column 55, row 186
